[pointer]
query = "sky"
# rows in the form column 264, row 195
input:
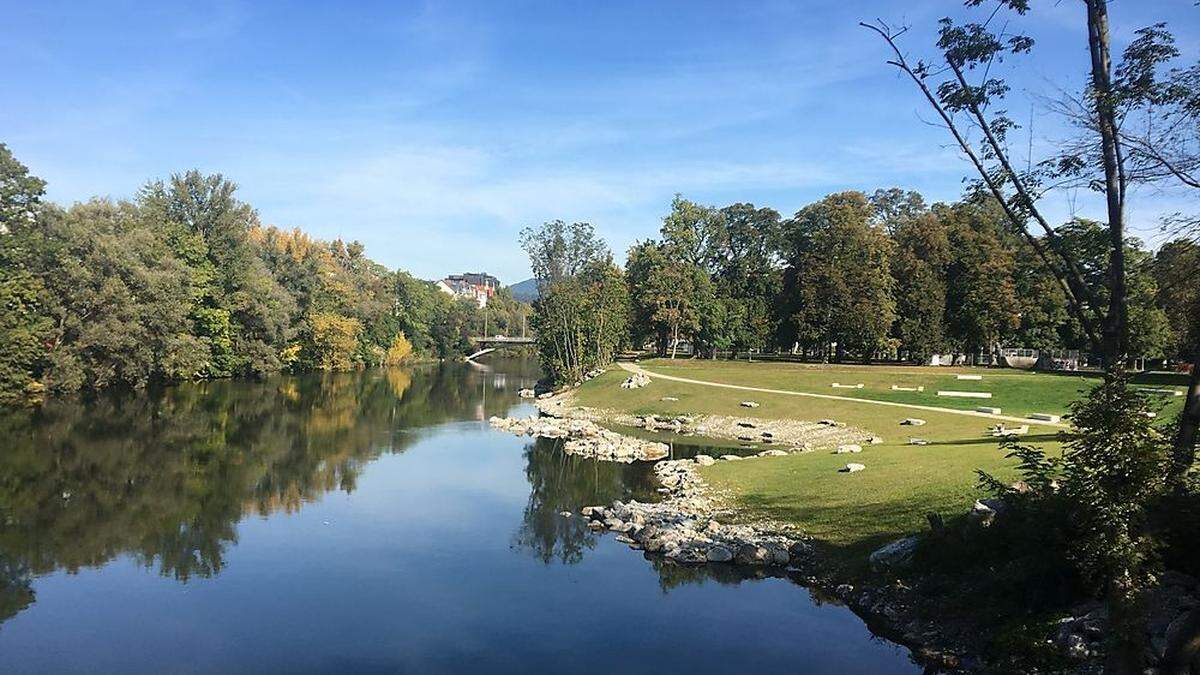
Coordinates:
column 433, row 132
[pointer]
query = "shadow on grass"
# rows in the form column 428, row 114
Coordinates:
column 992, row 440
column 850, row 533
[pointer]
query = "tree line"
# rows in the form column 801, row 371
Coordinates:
column 183, row 282
column 850, row 276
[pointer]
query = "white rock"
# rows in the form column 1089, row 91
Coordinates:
column 704, row 460
column 912, row 422
column 848, row 448
column 749, row 404
column 853, row 467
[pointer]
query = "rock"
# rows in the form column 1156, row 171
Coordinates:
column 719, row 554
column 844, row 590
column 853, row 467
column 827, row 423
column 749, row 404
column 895, row 555
column 526, row 393
column 593, row 511
column 624, row 539
column 752, row 555
column 912, row 422
column 595, row 525
column 668, row 398
column 848, row 448
column 875, row 440
column 779, row 555
column 731, row 458
column 772, row 453
column 918, row 441
column 704, row 460
column 799, row 550
column 636, row 381
column 565, row 514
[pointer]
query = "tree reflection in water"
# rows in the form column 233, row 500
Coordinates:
column 560, row 482
column 164, row 476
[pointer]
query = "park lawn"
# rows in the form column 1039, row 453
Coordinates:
column 1015, row 392
column 848, row 515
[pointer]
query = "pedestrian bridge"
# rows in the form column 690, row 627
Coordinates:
column 487, row 345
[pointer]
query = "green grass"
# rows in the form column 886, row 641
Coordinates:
column 851, row 514
column 1016, row 392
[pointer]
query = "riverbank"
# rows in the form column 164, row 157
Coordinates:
column 908, row 467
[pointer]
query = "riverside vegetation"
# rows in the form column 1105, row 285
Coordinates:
column 182, row 282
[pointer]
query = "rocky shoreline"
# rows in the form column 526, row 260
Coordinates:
column 685, row 528
column 585, row 438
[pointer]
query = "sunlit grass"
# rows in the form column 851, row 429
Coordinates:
column 850, row 514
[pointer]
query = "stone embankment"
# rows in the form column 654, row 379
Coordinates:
column 584, row 438
column 792, row 435
column 683, row 527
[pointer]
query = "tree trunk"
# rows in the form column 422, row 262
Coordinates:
column 1184, row 455
column 1116, row 333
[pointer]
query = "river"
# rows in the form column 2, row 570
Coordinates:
column 363, row 522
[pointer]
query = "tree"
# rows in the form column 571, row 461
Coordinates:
column 747, row 273
column 1148, row 330
column 24, row 321
column 919, row 264
column 838, row 288
column 332, row 340
column 1176, row 271
column 981, row 307
column 20, row 192
column 579, row 318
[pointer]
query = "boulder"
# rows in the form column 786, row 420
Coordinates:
column 912, row 422
column 772, row 453
column 719, row 554
column 853, row 467
column 749, row 404
column 731, row 458
column 848, row 448
column 779, row 555
column 799, row 550
column 895, row 555
column 526, row 393
column 752, row 555
column 705, row 460
column 636, row 381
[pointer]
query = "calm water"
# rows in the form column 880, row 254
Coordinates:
column 365, row 522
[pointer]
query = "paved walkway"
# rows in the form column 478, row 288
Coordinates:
column 634, row 368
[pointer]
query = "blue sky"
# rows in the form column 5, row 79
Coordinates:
column 434, row 131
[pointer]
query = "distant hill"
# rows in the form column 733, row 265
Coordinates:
column 525, row 291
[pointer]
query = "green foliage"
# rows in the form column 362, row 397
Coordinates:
column 1099, row 501
column 837, row 284
column 982, row 307
column 581, row 317
column 20, row 193
column 183, row 282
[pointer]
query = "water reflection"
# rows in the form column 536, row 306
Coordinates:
column 560, row 482
column 164, row 476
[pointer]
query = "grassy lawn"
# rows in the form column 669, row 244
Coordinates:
column 1016, row 392
column 851, row 514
